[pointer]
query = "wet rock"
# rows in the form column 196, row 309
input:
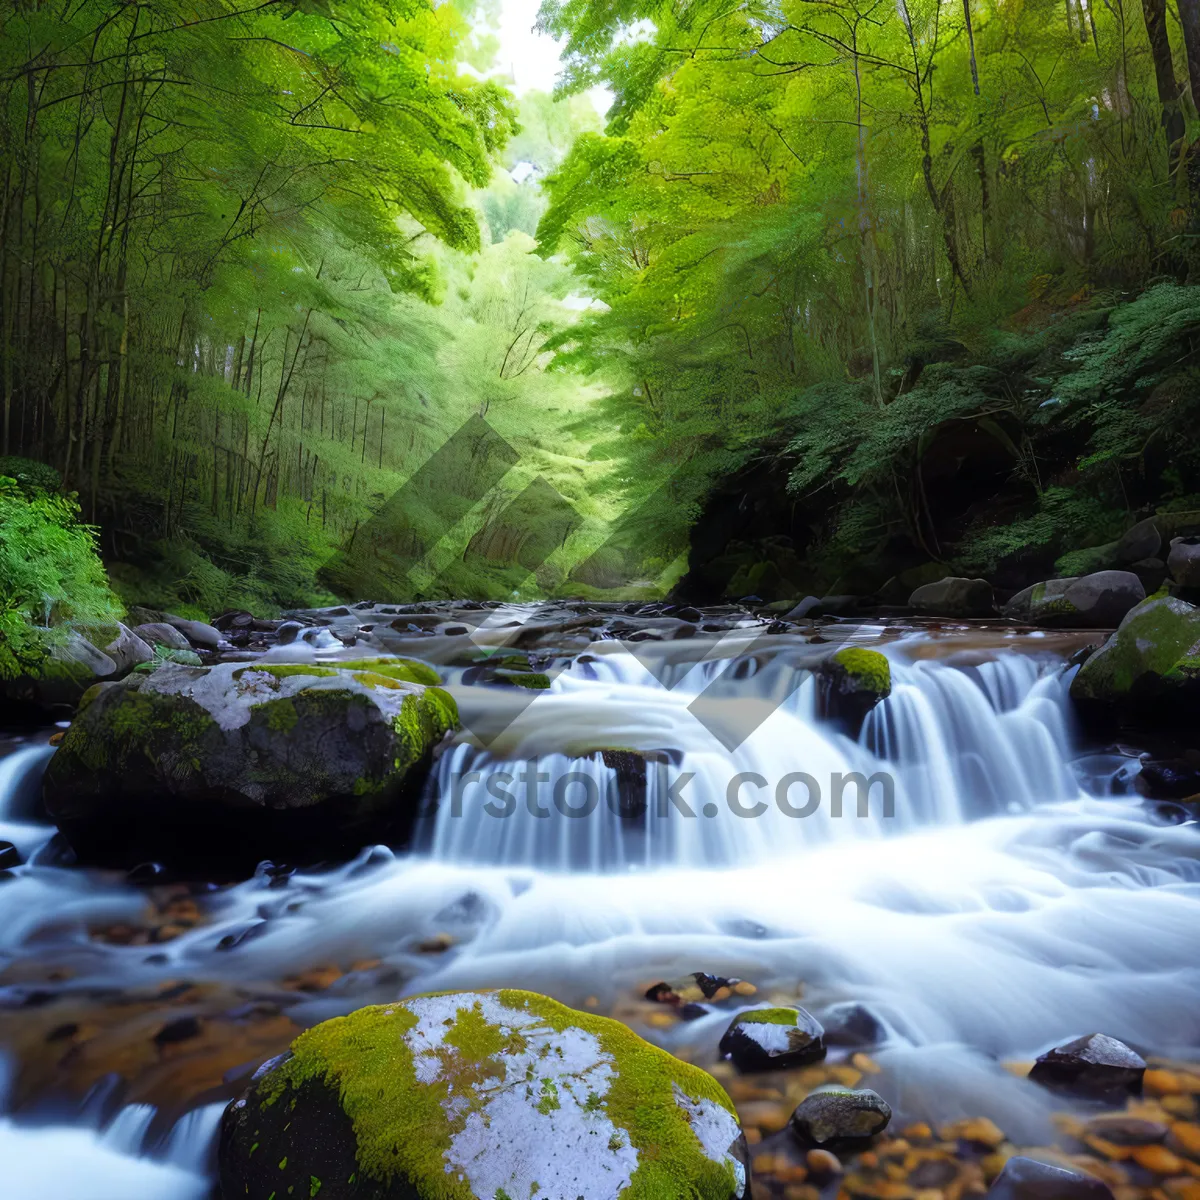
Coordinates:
column 1169, row 779
column 1120, row 1129
column 501, row 1093
column 288, row 632
column 235, row 760
column 850, row 682
column 1027, row 1179
column 803, row 609
column 159, row 633
column 1095, row 1065
column 699, row 985
column 1040, row 602
column 1152, row 572
column 1143, row 540
column 1101, row 600
column 835, row 1116
column 9, row 856
column 852, row 1024
column 1150, row 667
column 127, row 650
column 1097, row 601
column 198, row 633
column 954, row 596
column 767, row 1039
column 1184, row 562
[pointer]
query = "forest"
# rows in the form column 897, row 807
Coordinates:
column 834, row 293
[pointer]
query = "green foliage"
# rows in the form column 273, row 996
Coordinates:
column 49, row 573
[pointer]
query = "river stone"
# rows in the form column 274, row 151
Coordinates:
column 1101, row 600
column 199, row 633
column 1027, row 1179
column 837, row 1115
column 480, row 1095
column 852, row 1024
column 1094, row 1064
column 1040, row 602
column 953, row 596
column 260, row 760
column 768, row 1039
column 1184, row 562
column 159, row 633
column 1152, row 661
column 1143, row 540
column 850, row 682
column 127, row 650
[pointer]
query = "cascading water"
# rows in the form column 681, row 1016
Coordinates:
column 947, row 746
column 1012, row 900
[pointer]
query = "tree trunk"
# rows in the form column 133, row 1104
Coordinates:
column 1155, row 13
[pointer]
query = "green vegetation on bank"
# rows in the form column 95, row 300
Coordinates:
column 50, row 572
column 841, row 293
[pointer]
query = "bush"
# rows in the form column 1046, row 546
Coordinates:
column 50, row 573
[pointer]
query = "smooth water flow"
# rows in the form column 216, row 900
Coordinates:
column 1010, row 901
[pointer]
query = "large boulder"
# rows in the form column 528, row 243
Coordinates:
column 479, row 1096
column 244, row 760
column 953, row 597
column 1143, row 540
column 1096, row 601
column 1040, row 603
column 1150, row 667
column 1184, row 562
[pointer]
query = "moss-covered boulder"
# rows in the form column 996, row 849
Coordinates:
column 1149, row 668
column 500, row 1095
column 851, row 681
column 1096, row 601
column 245, row 760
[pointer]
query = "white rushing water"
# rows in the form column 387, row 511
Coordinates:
column 1003, row 906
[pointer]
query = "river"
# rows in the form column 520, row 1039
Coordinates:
column 1002, row 889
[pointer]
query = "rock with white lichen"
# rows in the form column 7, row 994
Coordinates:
column 767, row 1039
column 499, row 1095
column 244, row 760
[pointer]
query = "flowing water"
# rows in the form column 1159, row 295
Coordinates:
column 996, row 893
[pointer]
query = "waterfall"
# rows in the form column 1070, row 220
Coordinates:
column 653, row 782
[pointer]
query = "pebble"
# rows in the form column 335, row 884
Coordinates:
column 823, row 1162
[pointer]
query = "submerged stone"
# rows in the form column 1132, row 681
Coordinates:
column 766, row 1039
column 242, row 761
column 499, row 1095
column 1027, row 1179
column 837, row 1116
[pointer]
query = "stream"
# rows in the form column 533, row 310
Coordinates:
column 1002, row 889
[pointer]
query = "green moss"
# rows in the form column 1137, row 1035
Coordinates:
column 285, row 670
column 1155, row 646
column 868, row 669
column 406, row 670
column 768, row 1016
column 279, row 715
column 401, row 1128
column 534, row 680
column 422, row 721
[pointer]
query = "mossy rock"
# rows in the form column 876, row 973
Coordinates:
column 850, row 682
column 497, row 1095
column 278, row 759
column 1149, row 668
